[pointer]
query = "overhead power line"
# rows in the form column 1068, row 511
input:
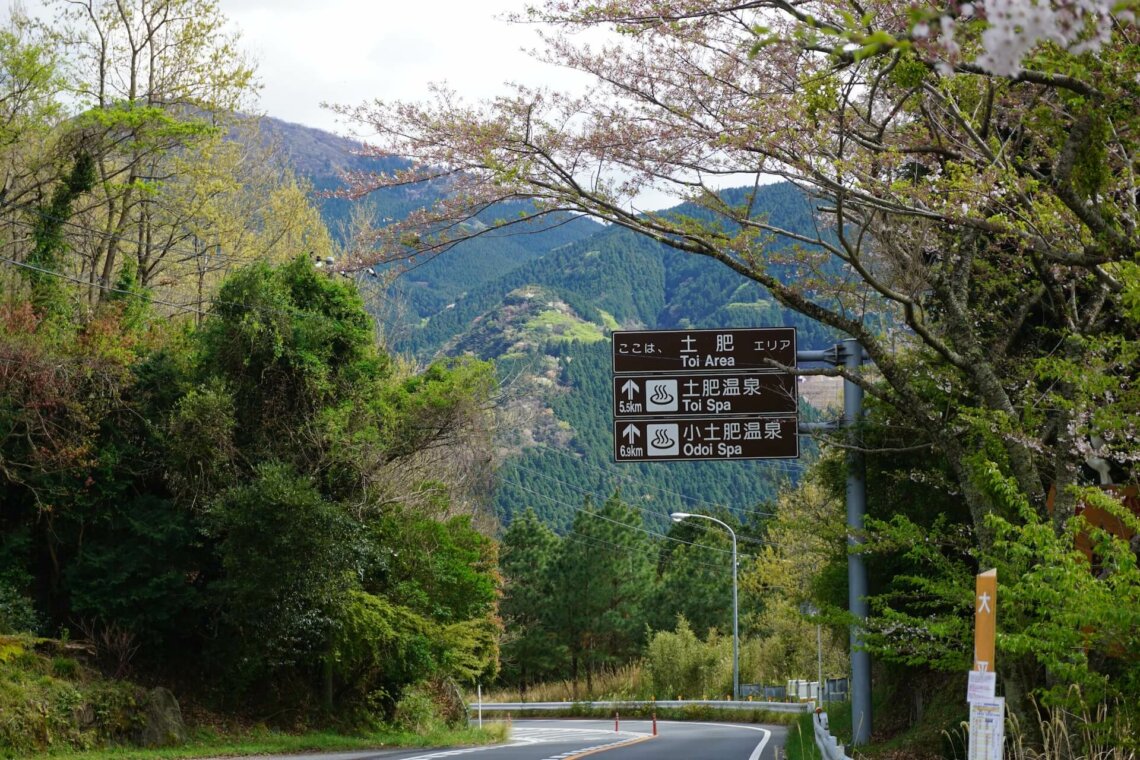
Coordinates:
column 625, row 500
column 577, row 509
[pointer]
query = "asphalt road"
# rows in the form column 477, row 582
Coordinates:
column 571, row 739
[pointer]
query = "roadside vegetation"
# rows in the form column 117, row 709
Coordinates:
column 800, row 744
column 971, row 172
column 55, row 704
column 222, row 498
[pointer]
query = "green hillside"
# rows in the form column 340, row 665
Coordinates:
column 555, row 473
column 546, row 323
column 541, row 301
column 634, row 280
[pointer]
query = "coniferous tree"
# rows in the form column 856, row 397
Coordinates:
column 601, row 579
column 530, row 651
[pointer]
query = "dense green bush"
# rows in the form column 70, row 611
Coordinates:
column 681, row 665
column 266, row 488
column 17, row 613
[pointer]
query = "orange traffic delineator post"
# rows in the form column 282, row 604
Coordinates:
column 616, row 729
column 655, row 724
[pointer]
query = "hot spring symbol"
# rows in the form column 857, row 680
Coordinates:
column 662, row 439
column 661, row 395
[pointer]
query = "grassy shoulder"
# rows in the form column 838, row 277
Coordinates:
column 800, row 744
column 54, row 705
column 267, row 742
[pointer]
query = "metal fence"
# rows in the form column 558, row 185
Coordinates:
column 761, row 691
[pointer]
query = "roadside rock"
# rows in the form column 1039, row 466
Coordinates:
column 163, row 726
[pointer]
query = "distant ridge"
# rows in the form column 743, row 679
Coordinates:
column 541, row 306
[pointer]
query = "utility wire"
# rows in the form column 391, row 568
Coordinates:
column 683, row 496
column 591, row 513
column 110, row 288
column 625, row 500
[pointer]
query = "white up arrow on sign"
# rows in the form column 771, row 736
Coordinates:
column 630, row 389
column 631, row 432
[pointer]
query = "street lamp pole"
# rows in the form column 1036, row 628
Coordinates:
column 678, row 517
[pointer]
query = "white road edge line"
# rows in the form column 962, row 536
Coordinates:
column 470, row 750
column 631, row 735
column 759, row 747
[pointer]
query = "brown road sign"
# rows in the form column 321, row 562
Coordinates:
column 694, row 438
column 727, row 350
column 721, row 395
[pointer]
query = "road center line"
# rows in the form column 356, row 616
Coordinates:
column 603, row 748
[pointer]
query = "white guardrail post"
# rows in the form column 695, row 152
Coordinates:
column 828, row 746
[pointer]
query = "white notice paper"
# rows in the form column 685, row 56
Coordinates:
column 987, row 729
column 982, row 685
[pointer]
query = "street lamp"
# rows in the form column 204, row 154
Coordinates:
column 678, row 517
column 808, row 608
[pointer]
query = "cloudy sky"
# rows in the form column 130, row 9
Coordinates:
column 348, row 51
column 351, row 51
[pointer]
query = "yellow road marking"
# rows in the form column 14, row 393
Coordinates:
column 629, row 743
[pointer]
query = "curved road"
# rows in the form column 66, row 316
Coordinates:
column 572, row 739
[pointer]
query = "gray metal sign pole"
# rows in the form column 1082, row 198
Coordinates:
column 850, row 354
column 856, row 569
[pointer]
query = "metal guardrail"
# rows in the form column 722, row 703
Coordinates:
column 828, row 746
column 788, row 707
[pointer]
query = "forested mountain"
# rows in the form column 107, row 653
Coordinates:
column 540, row 300
column 546, row 322
column 427, row 285
column 620, row 280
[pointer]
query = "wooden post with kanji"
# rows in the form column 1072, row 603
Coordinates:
column 987, row 710
column 985, row 620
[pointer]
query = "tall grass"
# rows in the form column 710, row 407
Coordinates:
column 626, row 682
column 1062, row 734
column 1065, row 735
column 800, row 743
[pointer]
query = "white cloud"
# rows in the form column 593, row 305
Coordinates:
column 344, row 51
column 349, row 52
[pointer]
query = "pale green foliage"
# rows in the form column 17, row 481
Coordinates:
column 785, row 642
column 378, row 645
column 175, row 53
column 803, row 537
column 922, row 616
column 1078, row 621
column 1130, row 276
column 680, row 665
column 470, row 648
